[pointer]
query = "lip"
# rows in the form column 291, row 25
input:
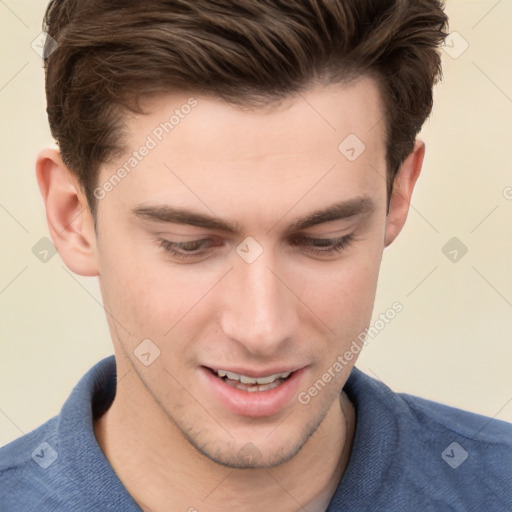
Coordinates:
column 256, row 373
column 252, row 404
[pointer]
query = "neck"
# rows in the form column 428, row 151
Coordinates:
column 162, row 471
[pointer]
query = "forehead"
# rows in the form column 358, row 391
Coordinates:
column 201, row 151
column 298, row 122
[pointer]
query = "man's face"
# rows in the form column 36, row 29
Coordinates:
column 270, row 296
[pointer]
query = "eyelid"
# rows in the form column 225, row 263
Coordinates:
column 300, row 238
column 198, row 241
column 331, row 247
column 308, row 239
column 325, row 231
column 196, row 234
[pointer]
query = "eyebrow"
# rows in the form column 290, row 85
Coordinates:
column 342, row 210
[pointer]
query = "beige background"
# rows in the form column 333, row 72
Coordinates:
column 451, row 342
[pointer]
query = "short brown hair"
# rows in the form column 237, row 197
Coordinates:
column 246, row 52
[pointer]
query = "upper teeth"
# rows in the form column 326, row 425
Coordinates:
column 252, row 380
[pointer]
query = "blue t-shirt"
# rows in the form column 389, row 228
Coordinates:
column 409, row 454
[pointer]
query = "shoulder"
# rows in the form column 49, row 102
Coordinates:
column 24, row 464
column 59, row 465
column 428, row 417
column 13, row 456
column 464, row 455
column 437, row 455
column 474, row 427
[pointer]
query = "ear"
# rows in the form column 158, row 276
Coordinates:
column 68, row 215
column 402, row 192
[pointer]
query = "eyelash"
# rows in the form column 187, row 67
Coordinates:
column 333, row 245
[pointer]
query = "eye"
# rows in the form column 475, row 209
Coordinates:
column 317, row 246
column 185, row 250
column 324, row 246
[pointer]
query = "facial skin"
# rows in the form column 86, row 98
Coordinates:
column 290, row 308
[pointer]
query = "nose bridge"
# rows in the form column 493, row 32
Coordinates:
column 259, row 310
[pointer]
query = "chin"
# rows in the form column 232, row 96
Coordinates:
column 261, row 453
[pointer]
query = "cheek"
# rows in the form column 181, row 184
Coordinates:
column 138, row 290
column 148, row 298
column 152, row 298
column 342, row 294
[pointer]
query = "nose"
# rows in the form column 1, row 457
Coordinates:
column 258, row 309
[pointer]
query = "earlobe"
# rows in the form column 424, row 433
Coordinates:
column 402, row 192
column 69, row 219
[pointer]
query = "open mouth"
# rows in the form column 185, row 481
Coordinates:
column 259, row 394
column 251, row 384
